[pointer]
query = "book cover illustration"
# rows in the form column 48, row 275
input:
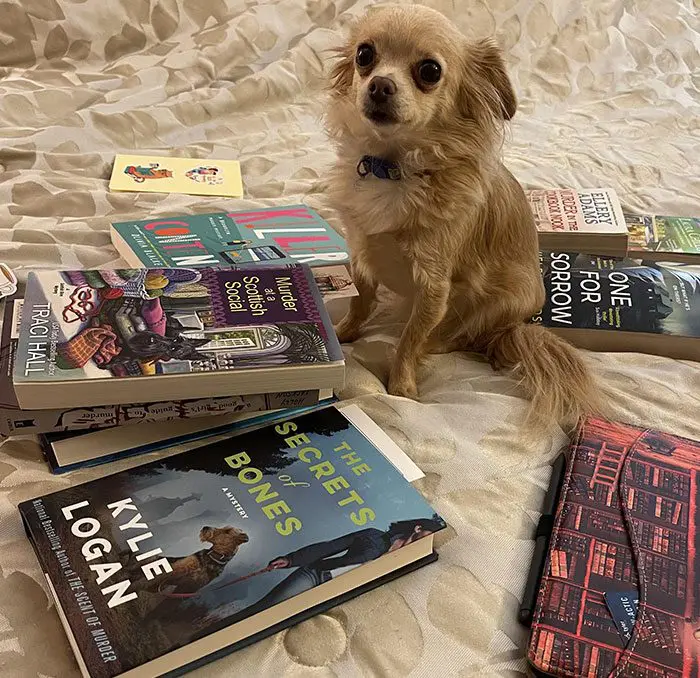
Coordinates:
column 566, row 210
column 269, row 234
column 176, row 175
column 15, row 421
column 651, row 233
column 334, row 282
column 145, row 322
column 586, row 291
column 153, row 558
column 627, row 524
column 8, row 281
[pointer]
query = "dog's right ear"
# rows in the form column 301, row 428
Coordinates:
column 486, row 82
column 342, row 71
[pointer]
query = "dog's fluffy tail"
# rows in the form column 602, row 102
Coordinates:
column 553, row 373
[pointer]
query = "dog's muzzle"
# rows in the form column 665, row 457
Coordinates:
column 380, row 104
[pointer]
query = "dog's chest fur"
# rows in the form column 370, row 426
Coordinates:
column 380, row 214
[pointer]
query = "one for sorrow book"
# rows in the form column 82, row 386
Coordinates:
column 162, row 567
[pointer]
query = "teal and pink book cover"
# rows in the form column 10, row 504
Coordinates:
column 293, row 233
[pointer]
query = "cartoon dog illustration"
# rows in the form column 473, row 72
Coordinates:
column 139, row 173
column 205, row 175
column 193, row 572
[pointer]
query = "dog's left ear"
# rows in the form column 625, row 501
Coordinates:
column 489, row 80
column 342, row 72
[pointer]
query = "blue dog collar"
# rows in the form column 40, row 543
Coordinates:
column 379, row 167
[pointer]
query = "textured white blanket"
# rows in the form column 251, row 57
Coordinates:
column 609, row 95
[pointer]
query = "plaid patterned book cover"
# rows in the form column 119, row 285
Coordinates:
column 626, row 525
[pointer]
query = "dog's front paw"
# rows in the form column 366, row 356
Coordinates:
column 402, row 383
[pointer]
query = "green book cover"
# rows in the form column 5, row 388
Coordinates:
column 651, row 234
column 292, row 233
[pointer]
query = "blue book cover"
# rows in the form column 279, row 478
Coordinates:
column 48, row 440
column 149, row 561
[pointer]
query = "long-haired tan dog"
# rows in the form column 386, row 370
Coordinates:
column 429, row 210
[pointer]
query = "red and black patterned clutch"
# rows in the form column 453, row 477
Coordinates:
column 620, row 595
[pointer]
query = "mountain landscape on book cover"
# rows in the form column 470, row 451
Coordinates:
column 153, row 558
column 585, row 291
column 143, row 322
column 651, row 233
column 294, row 232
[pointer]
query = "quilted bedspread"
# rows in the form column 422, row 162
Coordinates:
column 609, row 95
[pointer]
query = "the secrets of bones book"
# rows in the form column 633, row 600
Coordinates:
column 580, row 220
column 625, row 305
column 101, row 337
column 159, row 569
column 15, row 421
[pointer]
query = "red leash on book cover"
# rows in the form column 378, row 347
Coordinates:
column 221, row 586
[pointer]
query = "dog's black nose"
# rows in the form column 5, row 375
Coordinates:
column 381, row 89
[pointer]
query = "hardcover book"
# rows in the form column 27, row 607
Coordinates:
column 72, row 450
column 278, row 234
column 619, row 592
column 15, row 421
column 613, row 304
column 657, row 238
column 583, row 220
column 132, row 335
column 160, row 568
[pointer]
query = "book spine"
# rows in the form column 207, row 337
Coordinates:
column 565, row 210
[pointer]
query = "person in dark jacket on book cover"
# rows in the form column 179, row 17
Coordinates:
column 358, row 547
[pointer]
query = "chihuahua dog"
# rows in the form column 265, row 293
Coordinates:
column 418, row 114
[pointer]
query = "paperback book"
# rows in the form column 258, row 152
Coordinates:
column 583, row 220
column 16, row 421
column 131, row 335
column 657, row 238
column 159, row 174
column 614, row 304
column 161, row 568
column 277, row 234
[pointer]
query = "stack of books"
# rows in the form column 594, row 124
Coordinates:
column 218, row 327
column 617, row 281
column 219, row 321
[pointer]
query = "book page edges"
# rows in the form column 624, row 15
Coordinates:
column 65, row 394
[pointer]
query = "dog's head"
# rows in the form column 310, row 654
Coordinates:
column 225, row 540
column 408, row 70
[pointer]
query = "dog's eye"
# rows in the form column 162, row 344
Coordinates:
column 429, row 71
column 364, row 56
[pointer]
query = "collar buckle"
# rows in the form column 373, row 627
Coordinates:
column 379, row 167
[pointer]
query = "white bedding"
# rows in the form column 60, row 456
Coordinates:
column 609, row 95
